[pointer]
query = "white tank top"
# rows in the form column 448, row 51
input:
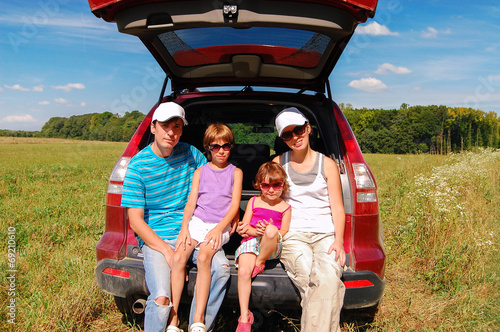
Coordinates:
column 310, row 203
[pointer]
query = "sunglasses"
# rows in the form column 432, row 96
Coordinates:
column 288, row 135
column 216, row 147
column 276, row 185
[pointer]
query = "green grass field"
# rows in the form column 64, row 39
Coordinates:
column 441, row 225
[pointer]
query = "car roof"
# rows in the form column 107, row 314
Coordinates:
column 292, row 44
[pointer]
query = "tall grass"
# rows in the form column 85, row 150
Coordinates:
column 52, row 192
column 440, row 215
column 441, row 218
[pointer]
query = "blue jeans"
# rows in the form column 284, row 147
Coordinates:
column 220, row 275
column 158, row 282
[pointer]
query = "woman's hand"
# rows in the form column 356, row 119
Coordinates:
column 338, row 247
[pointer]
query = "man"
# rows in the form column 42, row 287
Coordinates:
column 155, row 192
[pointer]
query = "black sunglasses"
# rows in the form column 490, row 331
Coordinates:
column 288, row 135
column 216, row 147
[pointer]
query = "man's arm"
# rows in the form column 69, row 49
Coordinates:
column 139, row 226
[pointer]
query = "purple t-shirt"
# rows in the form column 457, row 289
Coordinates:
column 215, row 193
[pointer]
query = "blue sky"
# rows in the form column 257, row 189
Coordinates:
column 58, row 59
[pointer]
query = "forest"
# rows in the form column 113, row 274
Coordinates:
column 96, row 126
column 423, row 129
column 409, row 129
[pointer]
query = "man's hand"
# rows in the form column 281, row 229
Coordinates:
column 169, row 255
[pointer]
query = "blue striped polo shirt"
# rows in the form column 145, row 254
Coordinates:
column 161, row 186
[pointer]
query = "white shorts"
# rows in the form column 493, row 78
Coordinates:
column 198, row 229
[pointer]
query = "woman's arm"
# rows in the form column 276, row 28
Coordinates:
column 337, row 207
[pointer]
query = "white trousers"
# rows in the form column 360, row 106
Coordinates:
column 317, row 276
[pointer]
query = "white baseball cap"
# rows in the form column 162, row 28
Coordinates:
column 289, row 117
column 169, row 110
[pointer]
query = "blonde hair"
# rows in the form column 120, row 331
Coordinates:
column 217, row 131
column 275, row 172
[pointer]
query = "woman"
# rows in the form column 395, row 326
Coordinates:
column 313, row 249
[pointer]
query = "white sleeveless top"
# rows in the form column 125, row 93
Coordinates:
column 310, row 203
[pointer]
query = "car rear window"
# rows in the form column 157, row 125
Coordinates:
column 201, row 46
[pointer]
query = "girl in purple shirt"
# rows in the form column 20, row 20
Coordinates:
column 213, row 204
column 267, row 219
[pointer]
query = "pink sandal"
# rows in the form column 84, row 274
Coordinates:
column 258, row 270
column 245, row 327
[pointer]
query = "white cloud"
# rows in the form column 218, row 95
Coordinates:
column 60, row 100
column 375, row 29
column 68, row 87
column 18, row 118
column 386, row 67
column 82, row 104
column 432, row 33
column 45, row 102
column 370, row 84
column 38, row 88
column 17, row 87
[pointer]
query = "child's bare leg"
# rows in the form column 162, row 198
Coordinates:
column 267, row 244
column 203, row 279
column 246, row 263
column 177, row 279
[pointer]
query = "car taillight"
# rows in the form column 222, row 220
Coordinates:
column 365, row 182
column 118, row 173
column 115, row 186
column 362, row 176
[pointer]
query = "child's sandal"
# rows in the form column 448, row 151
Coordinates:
column 198, row 327
column 258, row 270
column 245, row 327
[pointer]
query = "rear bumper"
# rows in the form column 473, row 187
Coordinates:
column 121, row 278
column 271, row 289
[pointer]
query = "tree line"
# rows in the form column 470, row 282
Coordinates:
column 95, row 126
column 423, row 129
column 416, row 129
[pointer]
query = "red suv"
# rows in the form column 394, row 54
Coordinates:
column 240, row 63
